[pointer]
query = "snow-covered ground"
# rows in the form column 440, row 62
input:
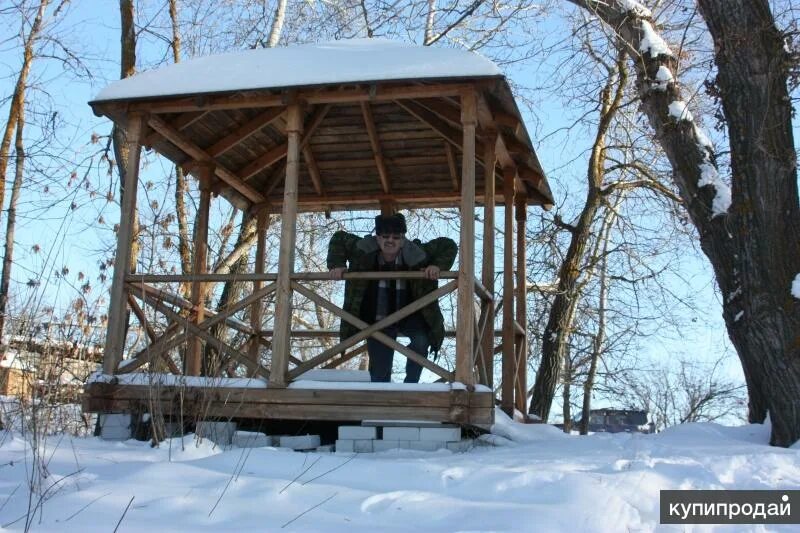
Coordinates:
column 535, row 479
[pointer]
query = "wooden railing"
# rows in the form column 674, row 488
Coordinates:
column 181, row 315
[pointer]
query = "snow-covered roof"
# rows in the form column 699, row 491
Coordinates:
column 346, row 61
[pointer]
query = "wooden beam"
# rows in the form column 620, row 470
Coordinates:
column 457, row 406
column 487, row 273
column 197, row 153
column 182, row 122
column 222, row 347
column 442, row 108
column 346, row 357
column 262, row 223
column 509, row 366
column 271, row 276
column 194, row 355
column 373, row 330
column 259, row 122
column 313, row 170
column 279, row 152
column 374, row 93
column 374, row 141
column 117, row 316
column 465, row 319
column 151, row 334
column 451, row 163
column 281, row 343
column 520, row 207
column 172, row 338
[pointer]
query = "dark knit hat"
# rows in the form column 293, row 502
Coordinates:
column 390, row 224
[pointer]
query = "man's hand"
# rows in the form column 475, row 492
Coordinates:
column 432, row 272
column 336, row 273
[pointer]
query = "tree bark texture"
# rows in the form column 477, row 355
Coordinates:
column 277, row 24
column 16, row 122
column 127, row 69
column 753, row 248
column 19, row 95
column 559, row 323
column 8, row 257
column 181, row 187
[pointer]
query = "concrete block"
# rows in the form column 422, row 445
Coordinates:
column 452, row 434
column 401, row 433
column 252, row 439
column 345, row 446
column 220, row 433
column 363, row 445
column 115, row 426
column 358, row 432
column 427, row 445
column 300, row 442
column 461, row 446
column 325, row 448
column 383, row 445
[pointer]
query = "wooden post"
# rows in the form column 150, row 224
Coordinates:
column 194, row 354
column 281, row 342
column 465, row 320
column 507, row 399
column 487, row 278
column 117, row 308
column 521, row 213
column 255, row 311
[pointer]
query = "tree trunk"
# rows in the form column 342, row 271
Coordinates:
column 751, row 240
column 762, row 257
column 559, row 323
column 429, row 21
column 277, row 24
column 181, row 187
column 8, row 257
column 599, row 338
column 16, row 121
column 18, row 97
column 127, row 69
column 232, row 290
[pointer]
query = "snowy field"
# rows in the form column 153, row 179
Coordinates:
column 535, row 478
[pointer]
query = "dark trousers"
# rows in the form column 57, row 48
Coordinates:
column 381, row 357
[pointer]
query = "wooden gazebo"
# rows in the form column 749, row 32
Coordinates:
column 365, row 124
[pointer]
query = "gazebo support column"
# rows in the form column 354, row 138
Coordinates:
column 522, row 306
column 194, row 354
column 487, row 277
column 117, row 313
column 465, row 321
column 509, row 366
column 283, row 298
column 262, row 222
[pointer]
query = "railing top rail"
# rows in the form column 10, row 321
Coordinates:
column 272, row 276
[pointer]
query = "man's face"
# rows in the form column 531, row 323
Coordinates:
column 390, row 243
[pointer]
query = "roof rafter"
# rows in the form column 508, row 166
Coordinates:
column 279, row 152
column 369, row 121
column 197, row 153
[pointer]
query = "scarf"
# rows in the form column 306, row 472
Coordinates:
column 392, row 294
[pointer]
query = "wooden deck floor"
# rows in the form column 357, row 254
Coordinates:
column 343, row 402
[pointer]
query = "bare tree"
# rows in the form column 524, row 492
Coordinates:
column 559, row 324
column 743, row 227
column 16, row 122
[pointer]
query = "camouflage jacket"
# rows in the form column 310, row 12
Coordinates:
column 361, row 255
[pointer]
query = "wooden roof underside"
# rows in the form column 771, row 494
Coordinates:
column 362, row 146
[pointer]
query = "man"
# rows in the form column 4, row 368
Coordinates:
column 389, row 250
